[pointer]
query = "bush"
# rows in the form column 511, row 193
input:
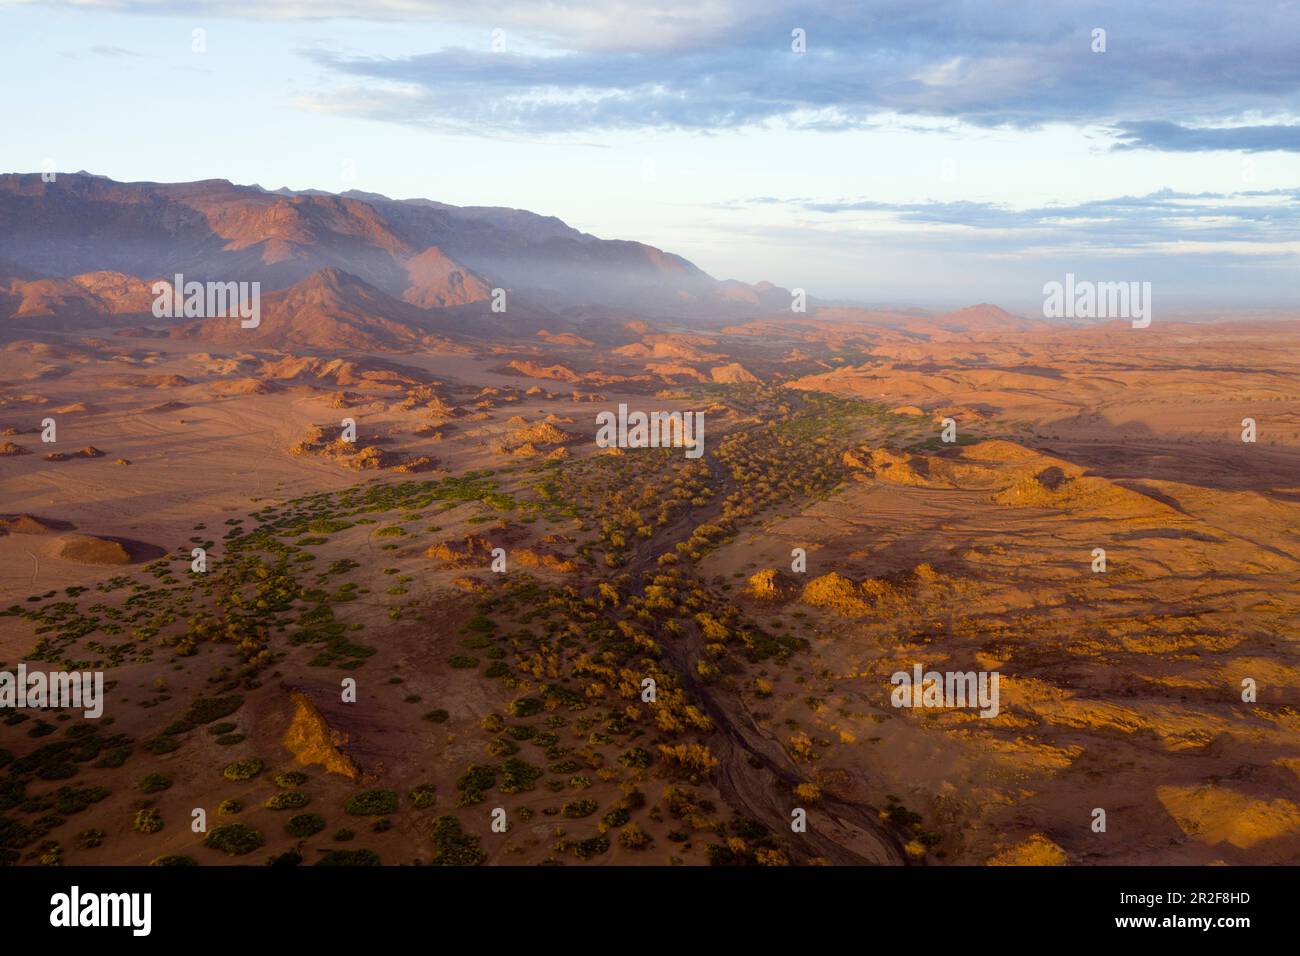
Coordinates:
column 349, row 858
column 148, row 820
column 155, row 782
column 69, row 800
column 235, row 839
column 305, row 825
column 637, row 758
column 463, row 662
column 372, row 803
column 423, row 796
column 518, row 775
column 586, row 849
column 173, row 859
column 577, row 809
column 89, row 839
column 287, row 800
column 453, row 846
column 438, row 716
column 616, row 818
column 633, row 837
column 525, row 706
column 229, row 808
column 113, row 758
column 205, row 710
column 245, row 769
column 474, row 781
column 290, row 779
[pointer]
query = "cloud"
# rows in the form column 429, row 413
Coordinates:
column 102, row 50
column 1252, row 221
column 721, row 65
column 568, row 24
column 1171, row 137
column 1180, row 75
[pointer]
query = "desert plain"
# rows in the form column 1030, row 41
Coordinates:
column 430, row 641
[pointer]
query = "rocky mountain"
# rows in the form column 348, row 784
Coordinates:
column 328, row 309
column 427, row 254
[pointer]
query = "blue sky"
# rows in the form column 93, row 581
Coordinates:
column 928, row 153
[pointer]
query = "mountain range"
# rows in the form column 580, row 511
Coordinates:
column 84, row 248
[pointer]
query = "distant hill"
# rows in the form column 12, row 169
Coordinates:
column 329, row 309
column 29, row 301
column 428, row 254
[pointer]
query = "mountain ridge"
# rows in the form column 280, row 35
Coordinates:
column 215, row 229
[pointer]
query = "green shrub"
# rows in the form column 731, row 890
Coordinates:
column 114, row 758
column 372, row 803
column 148, row 820
column 616, row 818
column 208, row 709
column 453, row 846
column 235, row 839
column 305, row 824
column 173, row 859
column 577, row 809
column 633, row 837
column 636, row 758
column 586, row 849
column 287, row 800
column 290, row 779
column 155, row 782
column 474, row 782
column 525, row 706
column 70, row 800
column 245, row 769
column 423, row 796
column 89, row 839
column 349, row 858
column 518, row 775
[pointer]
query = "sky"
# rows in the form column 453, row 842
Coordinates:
column 930, row 153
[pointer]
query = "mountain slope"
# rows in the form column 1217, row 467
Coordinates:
column 330, row 309
column 90, row 298
column 437, row 281
column 430, row 254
